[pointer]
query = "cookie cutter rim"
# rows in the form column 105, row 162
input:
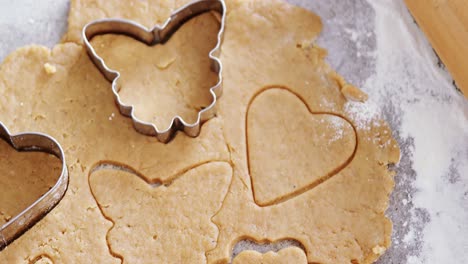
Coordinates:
column 30, row 142
column 153, row 36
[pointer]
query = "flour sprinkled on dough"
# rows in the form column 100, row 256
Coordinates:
column 364, row 114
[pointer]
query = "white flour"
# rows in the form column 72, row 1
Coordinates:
column 363, row 114
column 435, row 115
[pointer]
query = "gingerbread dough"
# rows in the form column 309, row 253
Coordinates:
column 74, row 105
column 21, row 187
column 338, row 214
column 284, row 256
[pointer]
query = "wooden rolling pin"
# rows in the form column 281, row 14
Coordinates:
column 445, row 23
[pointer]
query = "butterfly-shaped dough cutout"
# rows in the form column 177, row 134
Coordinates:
column 170, row 223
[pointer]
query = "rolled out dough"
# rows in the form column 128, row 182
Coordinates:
column 198, row 193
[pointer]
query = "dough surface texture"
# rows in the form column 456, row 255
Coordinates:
column 283, row 159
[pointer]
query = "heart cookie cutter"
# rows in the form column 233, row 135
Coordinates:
column 31, row 141
column 154, row 36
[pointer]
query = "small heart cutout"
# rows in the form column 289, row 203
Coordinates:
column 33, row 179
column 292, row 149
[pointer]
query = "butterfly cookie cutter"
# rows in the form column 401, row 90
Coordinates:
column 31, row 142
column 159, row 35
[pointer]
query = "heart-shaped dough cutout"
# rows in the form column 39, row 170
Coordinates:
column 24, row 178
column 33, row 179
column 292, row 149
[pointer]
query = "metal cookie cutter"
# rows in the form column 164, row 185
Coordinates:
column 159, row 35
column 31, row 215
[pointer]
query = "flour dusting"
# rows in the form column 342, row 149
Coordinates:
column 337, row 125
column 364, row 115
column 434, row 117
